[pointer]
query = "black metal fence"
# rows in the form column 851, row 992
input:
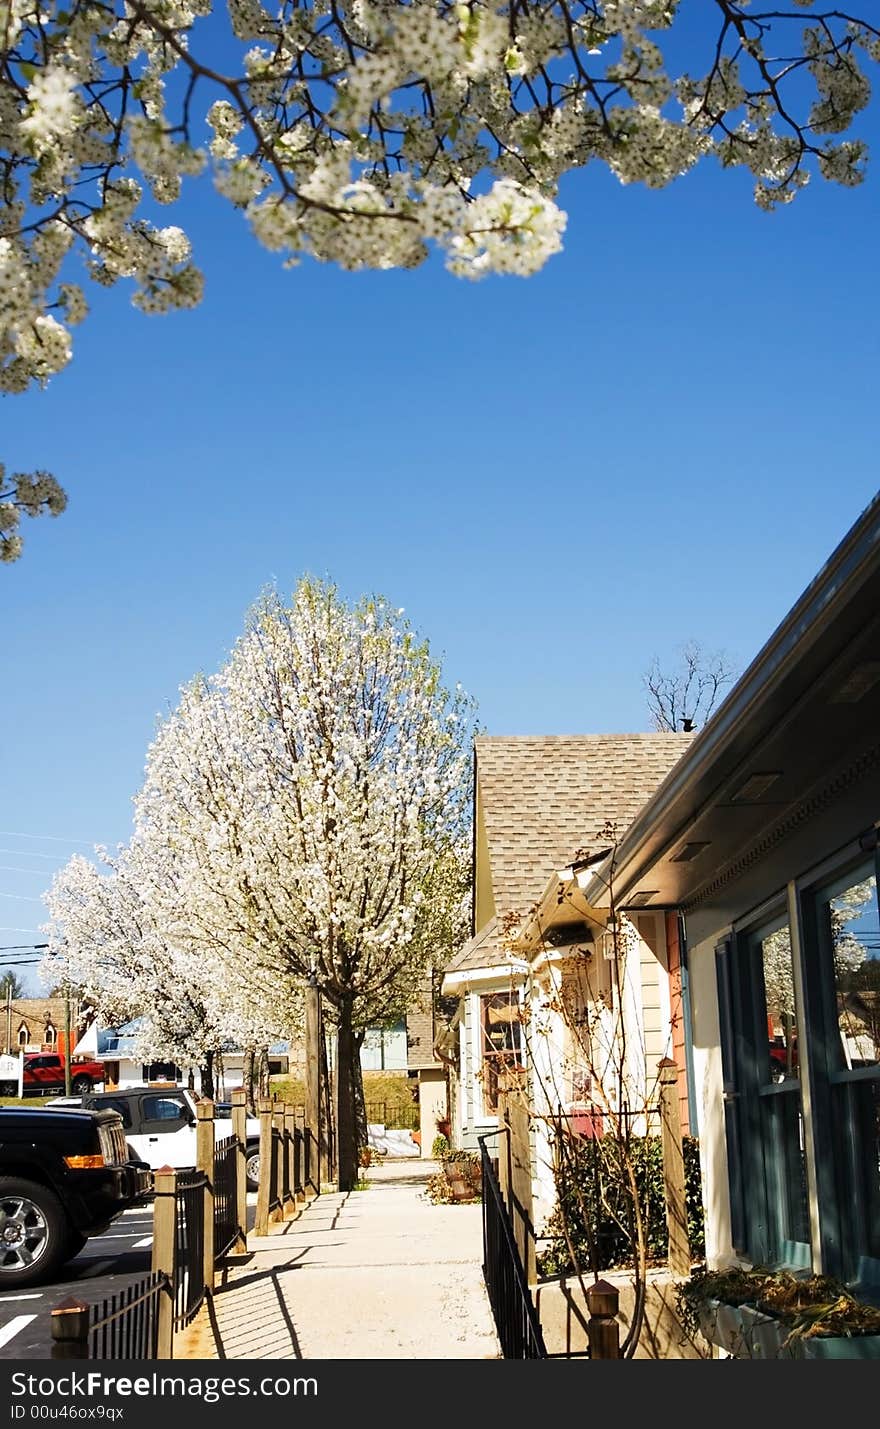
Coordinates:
column 276, row 1179
column 189, row 1278
column 394, row 1116
column 516, row 1319
column 125, row 1326
column 225, row 1197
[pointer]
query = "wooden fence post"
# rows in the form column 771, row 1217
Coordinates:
column 239, row 1128
column 277, row 1212
column 515, row 1167
column 70, row 1330
column 673, row 1169
column 164, row 1255
column 521, row 1212
column 205, row 1163
column 603, row 1330
column 261, row 1223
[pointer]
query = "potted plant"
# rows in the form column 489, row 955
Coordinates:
column 463, row 1174
column 760, row 1313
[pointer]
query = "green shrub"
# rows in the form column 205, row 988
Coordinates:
column 439, row 1148
column 594, row 1206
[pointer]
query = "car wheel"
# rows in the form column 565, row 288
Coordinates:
column 34, row 1233
column 80, row 1085
column 252, row 1167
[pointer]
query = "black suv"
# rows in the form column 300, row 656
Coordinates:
column 64, row 1176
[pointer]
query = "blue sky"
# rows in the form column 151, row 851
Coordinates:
column 660, row 437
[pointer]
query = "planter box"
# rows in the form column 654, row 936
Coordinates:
column 742, row 1331
column 747, row 1333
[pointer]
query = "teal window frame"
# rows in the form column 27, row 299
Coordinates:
column 841, row 1130
column 769, row 1207
column 839, row 1112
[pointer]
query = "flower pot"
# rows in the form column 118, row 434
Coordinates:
column 742, row 1331
column 747, row 1333
column 834, row 1347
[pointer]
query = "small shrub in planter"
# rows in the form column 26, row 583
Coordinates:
column 460, row 1180
column 594, row 1216
column 440, row 1147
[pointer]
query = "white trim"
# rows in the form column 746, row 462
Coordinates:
column 461, row 981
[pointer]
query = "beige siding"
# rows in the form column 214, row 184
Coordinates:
column 654, row 1020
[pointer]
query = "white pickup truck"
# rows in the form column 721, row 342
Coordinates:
column 160, row 1126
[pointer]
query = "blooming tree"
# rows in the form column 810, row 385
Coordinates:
column 104, row 939
column 361, row 132
column 315, row 795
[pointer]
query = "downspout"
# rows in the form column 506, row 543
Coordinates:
column 684, row 974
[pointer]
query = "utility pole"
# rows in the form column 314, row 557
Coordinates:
column 9, row 1018
column 67, row 1076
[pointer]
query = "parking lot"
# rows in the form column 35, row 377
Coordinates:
column 104, row 1265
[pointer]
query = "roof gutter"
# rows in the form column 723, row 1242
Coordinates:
column 851, row 563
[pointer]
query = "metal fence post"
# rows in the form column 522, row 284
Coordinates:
column 70, row 1330
column 205, row 1163
column 299, row 1154
column 164, row 1254
column 289, row 1167
column 261, row 1224
column 239, row 1128
column 277, row 1213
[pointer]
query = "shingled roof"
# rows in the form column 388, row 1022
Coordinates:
column 546, row 796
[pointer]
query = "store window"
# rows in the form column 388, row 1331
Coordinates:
column 772, row 1038
column 501, row 1033
column 847, row 929
column 765, row 1131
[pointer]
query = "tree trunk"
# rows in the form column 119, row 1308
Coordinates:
column 191, row 1080
column 346, row 1118
column 327, row 1095
column 206, row 1076
column 264, row 1071
column 247, row 1080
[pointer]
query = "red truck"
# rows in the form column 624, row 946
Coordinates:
column 44, row 1072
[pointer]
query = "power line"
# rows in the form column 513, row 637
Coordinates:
column 45, row 838
column 29, row 853
column 20, row 898
column 10, row 868
column 13, row 947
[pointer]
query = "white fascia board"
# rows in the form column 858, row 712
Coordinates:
column 470, row 977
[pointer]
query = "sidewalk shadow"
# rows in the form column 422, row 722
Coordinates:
column 256, row 1316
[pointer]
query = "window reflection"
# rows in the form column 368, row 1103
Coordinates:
column 778, row 970
column 501, row 1030
column 855, row 936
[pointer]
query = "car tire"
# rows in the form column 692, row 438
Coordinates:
column 252, row 1166
column 80, row 1085
column 34, row 1232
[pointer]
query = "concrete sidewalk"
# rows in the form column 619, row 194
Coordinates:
column 374, row 1274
